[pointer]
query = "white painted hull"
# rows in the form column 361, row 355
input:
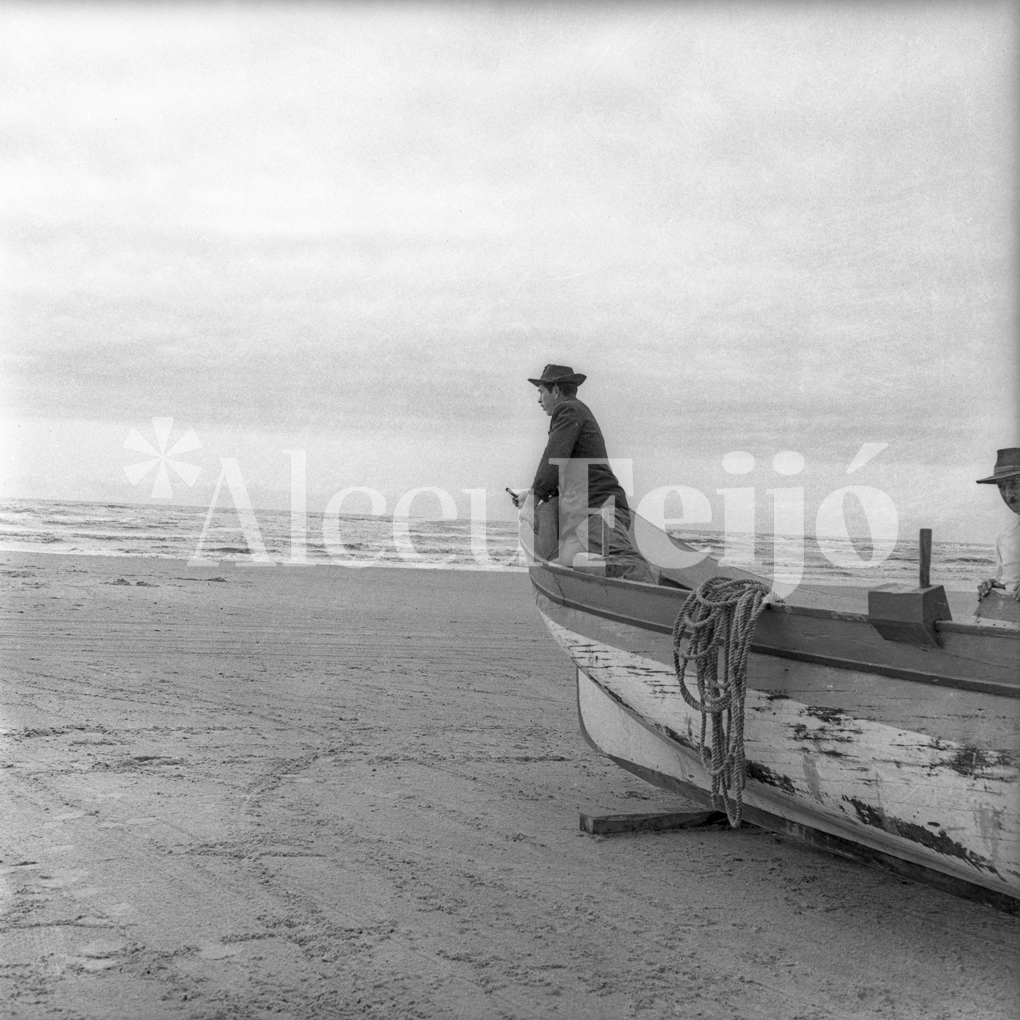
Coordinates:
column 905, row 795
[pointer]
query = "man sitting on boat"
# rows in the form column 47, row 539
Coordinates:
column 594, row 518
column 1007, row 544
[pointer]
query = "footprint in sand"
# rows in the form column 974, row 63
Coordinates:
column 219, row 951
column 66, row 816
column 59, row 879
column 100, row 954
column 147, row 820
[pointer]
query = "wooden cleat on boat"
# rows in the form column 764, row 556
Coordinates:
column 908, row 614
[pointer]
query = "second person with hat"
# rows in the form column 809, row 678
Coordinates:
column 1007, row 545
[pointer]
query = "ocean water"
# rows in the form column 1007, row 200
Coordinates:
column 122, row 529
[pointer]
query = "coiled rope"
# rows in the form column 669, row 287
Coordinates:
column 718, row 621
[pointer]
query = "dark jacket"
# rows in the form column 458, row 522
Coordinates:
column 574, row 433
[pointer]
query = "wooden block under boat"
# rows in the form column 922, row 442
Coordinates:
column 602, row 825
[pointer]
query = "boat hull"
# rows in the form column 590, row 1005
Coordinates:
column 863, row 760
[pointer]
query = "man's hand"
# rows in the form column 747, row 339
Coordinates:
column 986, row 586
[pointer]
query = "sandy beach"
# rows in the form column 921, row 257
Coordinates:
column 315, row 792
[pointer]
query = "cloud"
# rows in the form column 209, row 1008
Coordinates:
column 782, row 222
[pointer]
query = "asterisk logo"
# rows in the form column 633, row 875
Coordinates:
column 161, row 456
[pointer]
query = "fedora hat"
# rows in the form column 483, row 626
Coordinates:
column 1007, row 465
column 553, row 374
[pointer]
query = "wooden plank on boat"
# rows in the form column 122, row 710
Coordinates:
column 604, row 825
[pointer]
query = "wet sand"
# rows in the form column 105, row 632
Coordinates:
column 233, row 792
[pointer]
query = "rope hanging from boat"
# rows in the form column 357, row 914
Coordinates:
column 718, row 621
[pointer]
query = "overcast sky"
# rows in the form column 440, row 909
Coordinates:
column 356, row 230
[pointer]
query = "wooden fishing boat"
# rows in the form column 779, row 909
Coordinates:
column 875, row 723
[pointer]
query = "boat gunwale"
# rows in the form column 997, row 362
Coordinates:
column 989, row 687
column 992, row 628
